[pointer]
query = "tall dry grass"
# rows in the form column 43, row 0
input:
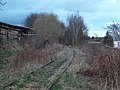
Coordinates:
column 106, row 66
column 30, row 57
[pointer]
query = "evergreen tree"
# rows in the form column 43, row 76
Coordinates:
column 108, row 40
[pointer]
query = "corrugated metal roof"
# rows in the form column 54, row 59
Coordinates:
column 14, row 27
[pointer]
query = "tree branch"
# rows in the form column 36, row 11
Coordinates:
column 2, row 3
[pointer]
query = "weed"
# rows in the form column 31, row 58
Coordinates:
column 71, row 80
column 106, row 65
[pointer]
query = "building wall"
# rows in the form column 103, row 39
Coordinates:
column 117, row 44
column 8, row 34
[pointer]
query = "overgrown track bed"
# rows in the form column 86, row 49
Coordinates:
column 60, row 64
column 9, row 83
column 54, row 71
column 59, row 73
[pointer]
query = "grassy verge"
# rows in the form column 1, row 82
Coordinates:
column 71, row 81
column 37, row 79
column 5, row 54
column 29, row 80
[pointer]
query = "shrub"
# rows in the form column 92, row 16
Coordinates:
column 108, row 40
column 106, row 65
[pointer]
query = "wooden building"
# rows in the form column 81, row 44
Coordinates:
column 8, row 31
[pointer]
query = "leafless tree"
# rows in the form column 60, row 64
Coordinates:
column 2, row 3
column 76, row 28
column 29, row 21
column 48, row 27
column 114, row 30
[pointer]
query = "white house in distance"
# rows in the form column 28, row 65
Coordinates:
column 116, row 37
column 117, row 44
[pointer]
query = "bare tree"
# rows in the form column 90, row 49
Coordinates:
column 48, row 27
column 2, row 4
column 114, row 30
column 29, row 21
column 76, row 28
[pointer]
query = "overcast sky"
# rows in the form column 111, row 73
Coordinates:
column 96, row 13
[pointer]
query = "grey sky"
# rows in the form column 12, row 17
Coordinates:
column 96, row 13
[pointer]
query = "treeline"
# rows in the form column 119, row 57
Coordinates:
column 49, row 28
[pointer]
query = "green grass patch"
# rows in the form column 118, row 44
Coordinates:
column 57, row 86
column 73, row 81
column 6, row 52
column 29, row 79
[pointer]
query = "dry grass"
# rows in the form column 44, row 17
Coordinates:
column 71, row 80
column 106, row 65
column 30, row 58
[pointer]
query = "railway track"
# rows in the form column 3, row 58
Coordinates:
column 54, row 69
column 59, row 73
column 11, row 82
